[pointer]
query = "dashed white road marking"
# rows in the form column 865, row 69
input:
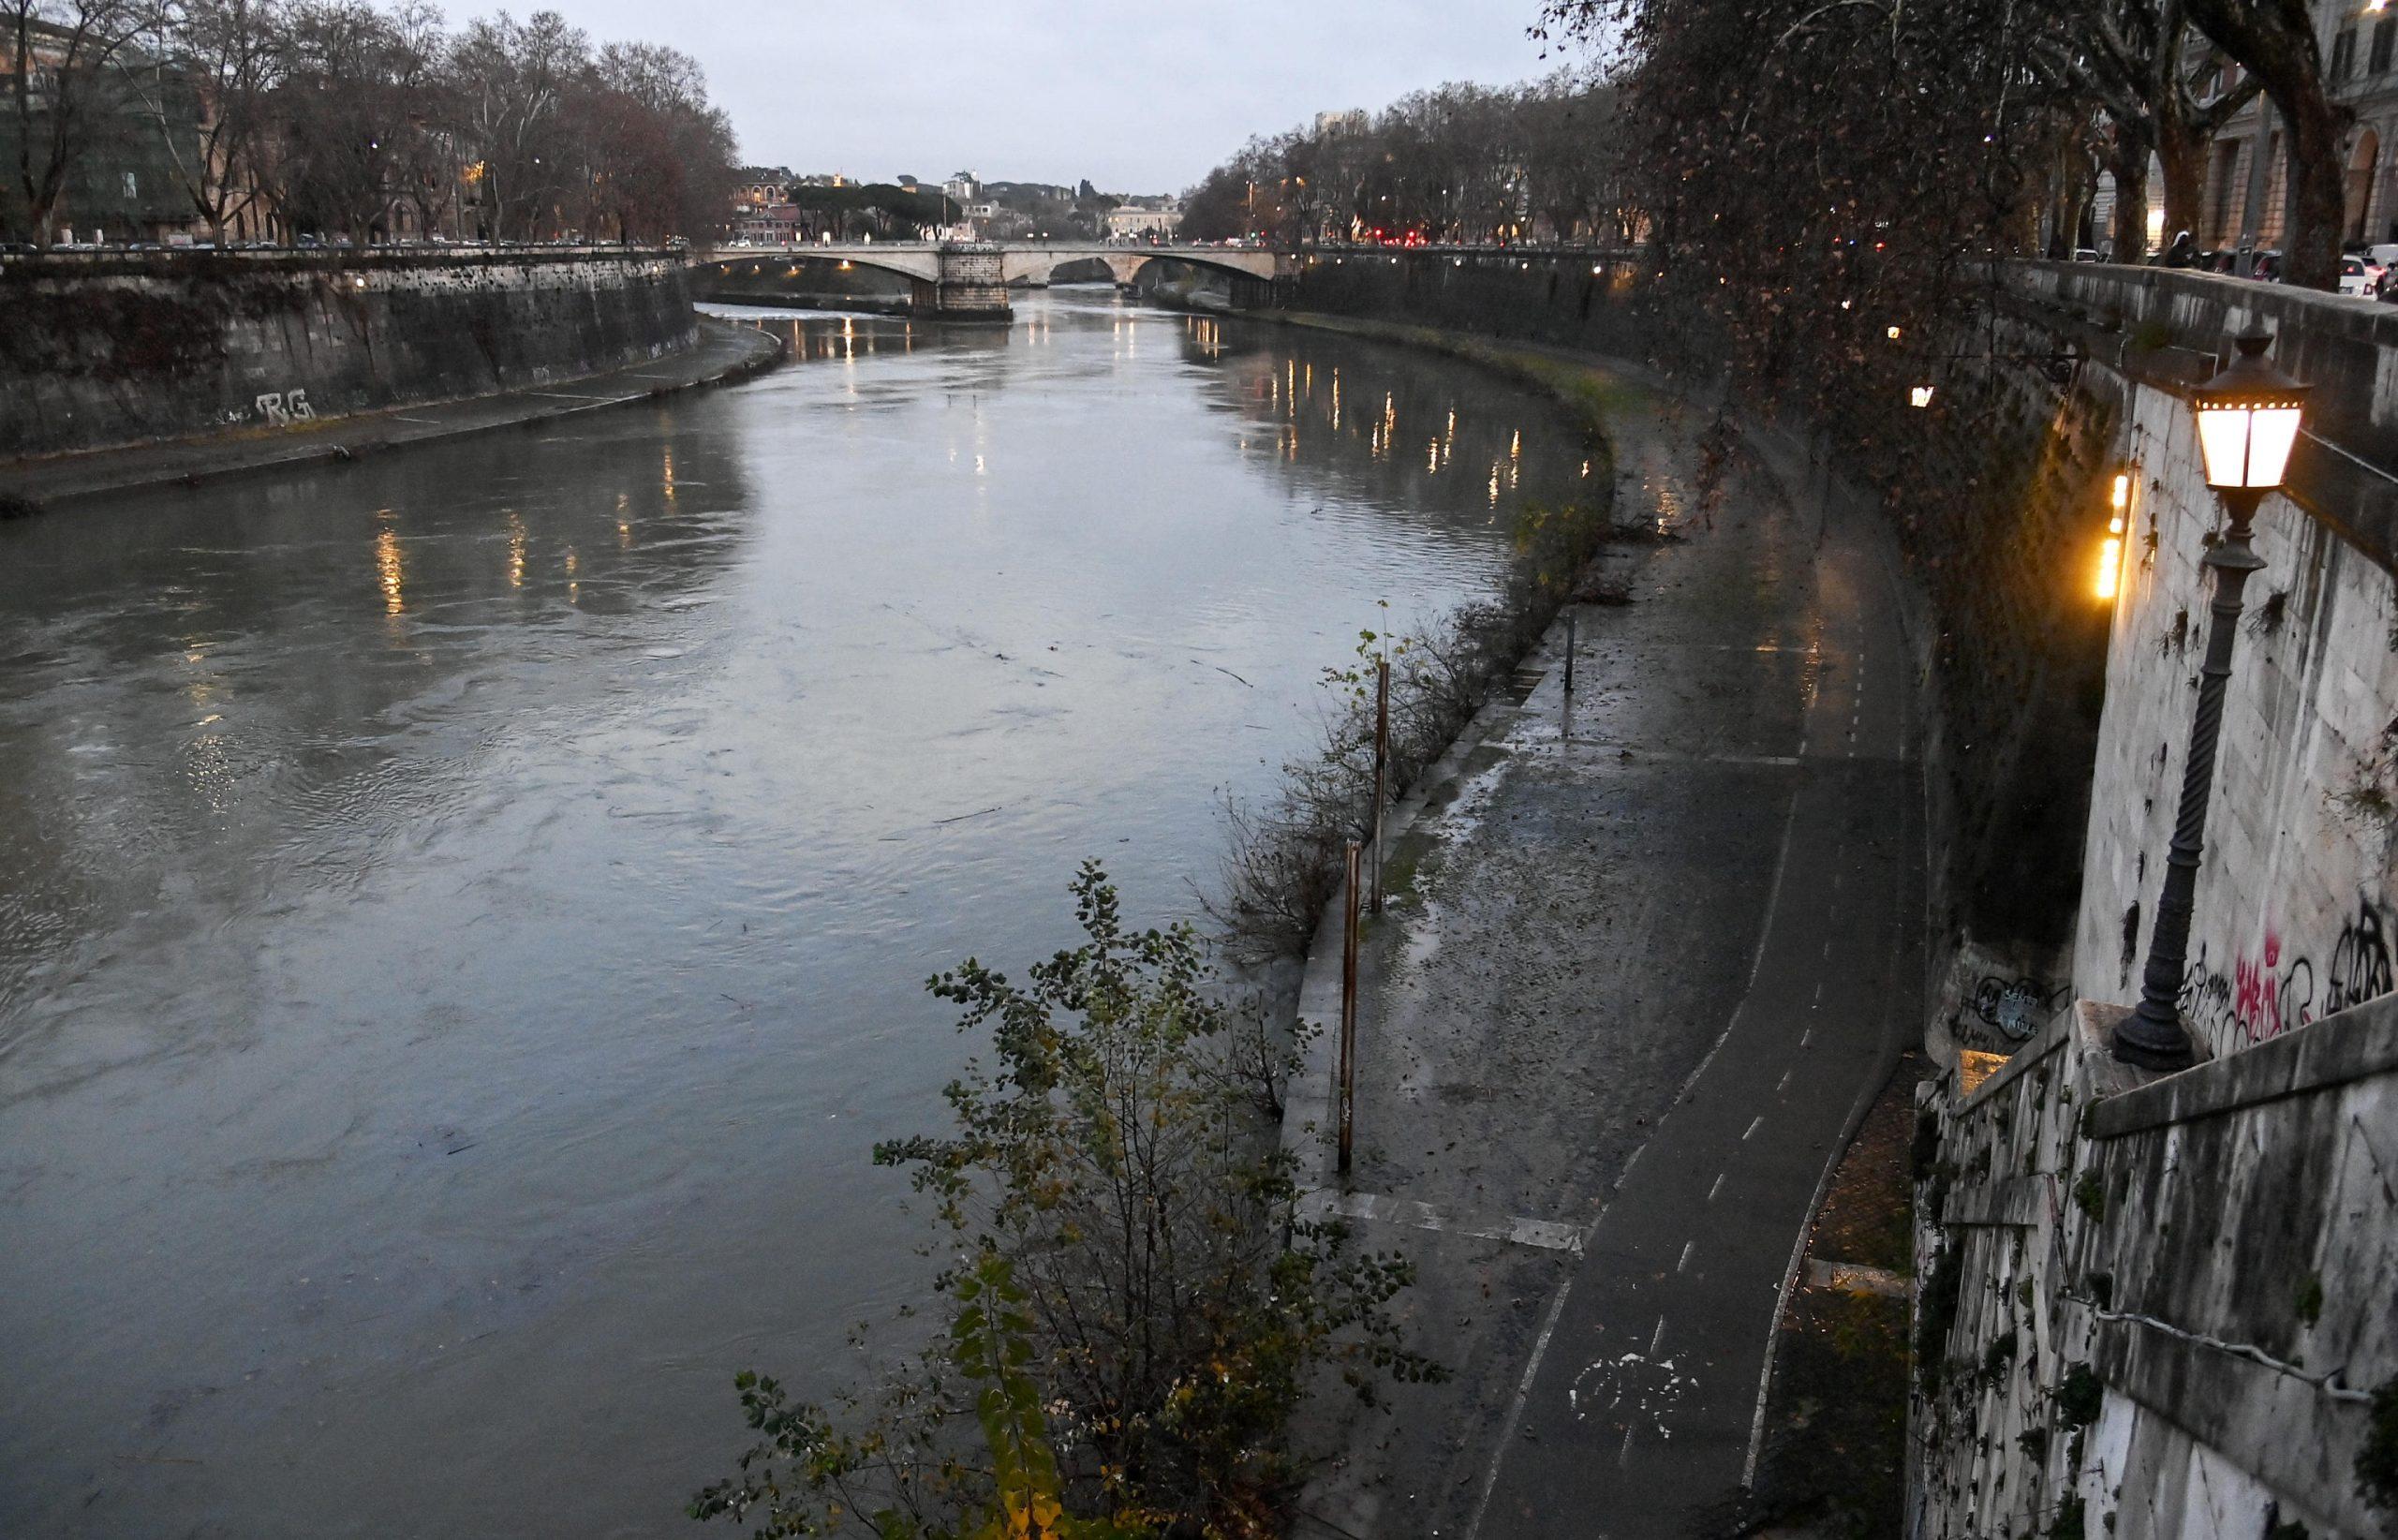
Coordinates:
column 1712, row 1191
column 1783, row 1084
column 1755, row 1123
column 1684, row 1262
column 1656, row 1337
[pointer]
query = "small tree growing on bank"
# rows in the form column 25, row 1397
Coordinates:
column 1128, row 1226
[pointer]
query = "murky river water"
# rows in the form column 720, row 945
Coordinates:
column 463, row 916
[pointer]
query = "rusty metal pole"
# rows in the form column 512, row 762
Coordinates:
column 1346, row 1092
column 1381, row 769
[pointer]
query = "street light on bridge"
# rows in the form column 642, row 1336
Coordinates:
column 2248, row 418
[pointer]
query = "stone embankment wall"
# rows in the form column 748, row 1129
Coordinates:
column 2160, row 1305
column 2157, row 1308
column 108, row 350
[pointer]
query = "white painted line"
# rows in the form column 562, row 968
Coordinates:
column 1656, row 1337
column 1717, row 1188
column 1755, row 1124
column 1516, row 1408
column 1784, row 1083
column 1623, row 1455
column 1805, row 1035
column 1684, row 1262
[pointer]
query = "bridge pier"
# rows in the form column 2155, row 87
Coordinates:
column 971, row 286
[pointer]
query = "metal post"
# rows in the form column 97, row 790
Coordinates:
column 2153, row 1036
column 1569, row 652
column 1382, row 768
column 1346, row 1092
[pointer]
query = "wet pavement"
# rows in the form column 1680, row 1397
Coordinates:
column 462, row 914
column 1652, row 950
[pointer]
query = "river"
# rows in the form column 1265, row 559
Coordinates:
column 463, row 915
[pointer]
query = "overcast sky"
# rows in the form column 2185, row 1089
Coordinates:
column 1139, row 96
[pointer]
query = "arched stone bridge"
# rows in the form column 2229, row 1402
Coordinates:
column 971, row 280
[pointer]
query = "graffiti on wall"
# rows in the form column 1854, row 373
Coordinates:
column 282, row 408
column 2276, row 990
column 2015, row 1007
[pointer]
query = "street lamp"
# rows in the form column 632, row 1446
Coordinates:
column 2248, row 418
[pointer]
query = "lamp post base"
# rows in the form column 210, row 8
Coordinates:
column 2152, row 1045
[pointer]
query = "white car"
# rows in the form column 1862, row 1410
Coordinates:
column 2356, row 279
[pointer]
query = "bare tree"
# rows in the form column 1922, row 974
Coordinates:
column 356, row 94
column 2150, row 74
column 2275, row 40
column 62, row 91
column 514, row 81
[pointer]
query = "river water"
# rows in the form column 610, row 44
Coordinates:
column 463, row 915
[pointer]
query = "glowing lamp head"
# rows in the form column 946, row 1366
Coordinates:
column 2248, row 420
column 1919, row 395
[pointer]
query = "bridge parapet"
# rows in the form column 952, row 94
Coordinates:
column 970, row 280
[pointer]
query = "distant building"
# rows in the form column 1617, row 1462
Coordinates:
column 777, row 226
column 963, row 186
column 125, row 183
column 1332, row 124
column 2246, row 192
column 1131, row 221
column 764, row 186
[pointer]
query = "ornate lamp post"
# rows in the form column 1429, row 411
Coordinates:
column 2248, row 418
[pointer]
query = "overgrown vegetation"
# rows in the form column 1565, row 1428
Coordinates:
column 2378, row 1462
column 1285, row 864
column 1140, row 1307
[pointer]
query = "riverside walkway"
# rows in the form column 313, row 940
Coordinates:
column 1652, row 950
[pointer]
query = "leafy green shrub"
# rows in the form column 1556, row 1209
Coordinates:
column 1126, row 1245
column 2079, row 1395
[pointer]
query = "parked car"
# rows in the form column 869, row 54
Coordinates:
column 2356, row 280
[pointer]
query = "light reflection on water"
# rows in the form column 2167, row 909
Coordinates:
column 463, row 915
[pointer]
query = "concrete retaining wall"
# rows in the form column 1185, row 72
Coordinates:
column 112, row 349
column 2158, row 1307
column 2294, row 916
